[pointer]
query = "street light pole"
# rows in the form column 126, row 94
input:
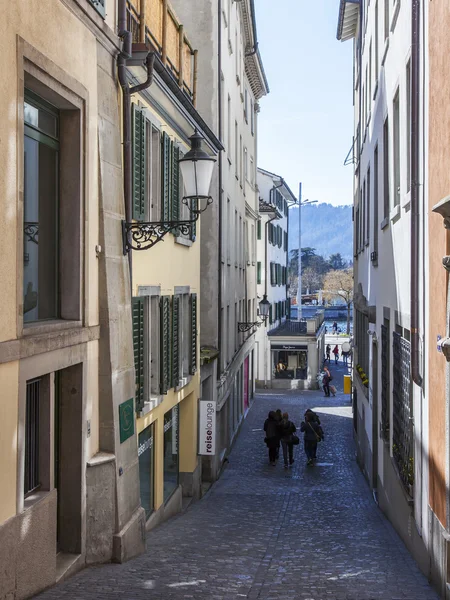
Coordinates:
column 299, row 285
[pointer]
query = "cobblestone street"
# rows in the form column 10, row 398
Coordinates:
column 309, row 533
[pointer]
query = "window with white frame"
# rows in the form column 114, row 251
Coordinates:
column 153, row 171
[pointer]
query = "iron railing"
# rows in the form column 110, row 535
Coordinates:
column 31, row 479
column 385, row 412
column 402, row 441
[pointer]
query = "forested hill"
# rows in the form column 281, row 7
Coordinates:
column 325, row 227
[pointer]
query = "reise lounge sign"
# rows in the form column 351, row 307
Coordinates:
column 207, row 428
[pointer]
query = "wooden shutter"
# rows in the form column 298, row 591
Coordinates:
column 165, row 353
column 175, row 191
column 193, row 357
column 138, row 347
column 270, row 314
column 139, row 174
column 166, row 176
column 258, row 229
column 176, row 340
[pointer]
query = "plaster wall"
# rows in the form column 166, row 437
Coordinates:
column 438, row 245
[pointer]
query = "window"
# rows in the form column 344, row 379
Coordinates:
column 363, row 216
column 386, row 195
column 253, row 250
column 246, row 174
column 171, row 458
column 241, row 168
column 376, row 43
column 258, row 228
column 252, row 171
column 408, row 126
column 368, row 208
column 228, row 230
column 236, row 150
column 397, row 148
column 32, row 479
column 246, row 105
column 375, row 203
column 252, row 117
column 41, row 227
column 229, row 150
column 146, row 455
column 386, row 19
column 258, row 272
column 370, row 76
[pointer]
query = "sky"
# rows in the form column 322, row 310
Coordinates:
column 306, row 121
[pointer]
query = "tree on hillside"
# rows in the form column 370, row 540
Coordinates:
column 337, row 262
column 339, row 284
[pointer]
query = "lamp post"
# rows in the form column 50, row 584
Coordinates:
column 264, row 307
column 299, row 286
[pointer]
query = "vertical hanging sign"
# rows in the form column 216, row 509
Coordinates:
column 207, row 428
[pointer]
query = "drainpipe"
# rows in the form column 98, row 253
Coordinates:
column 415, row 172
column 266, row 226
column 219, row 261
column 126, row 109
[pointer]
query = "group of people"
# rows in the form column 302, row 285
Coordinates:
column 335, row 352
column 280, row 430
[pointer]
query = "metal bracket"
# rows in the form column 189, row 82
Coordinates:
column 243, row 327
column 142, row 235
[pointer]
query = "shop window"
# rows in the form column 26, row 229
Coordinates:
column 290, row 364
column 146, row 454
column 171, row 459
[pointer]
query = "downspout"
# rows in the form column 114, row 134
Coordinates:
column 126, row 110
column 219, row 260
column 266, row 225
column 415, row 173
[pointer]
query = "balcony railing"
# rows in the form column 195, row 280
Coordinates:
column 154, row 22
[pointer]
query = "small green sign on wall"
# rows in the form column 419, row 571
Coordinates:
column 126, row 419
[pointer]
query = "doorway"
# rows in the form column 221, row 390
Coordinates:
column 68, row 453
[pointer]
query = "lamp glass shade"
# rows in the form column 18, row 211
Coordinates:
column 264, row 307
column 197, row 176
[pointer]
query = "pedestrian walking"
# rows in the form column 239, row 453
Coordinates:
column 336, row 354
column 272, row 439
column 335, row 327
column 326, row 381
column 328, row 353
column 287, row 429
column 313, row 415
column 279, row 418
column 313, row 434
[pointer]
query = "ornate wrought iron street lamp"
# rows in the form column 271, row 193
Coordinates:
column 196, row 169
column 264, row 307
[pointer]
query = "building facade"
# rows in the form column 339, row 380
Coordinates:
column 275, row 197
column 227, row 32
column 70, row 477
column 166, row 286
column 390, row 394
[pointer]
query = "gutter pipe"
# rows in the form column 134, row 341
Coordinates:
column 415, row 173
column 219, row 258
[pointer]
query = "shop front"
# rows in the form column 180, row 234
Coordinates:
column 289, row 361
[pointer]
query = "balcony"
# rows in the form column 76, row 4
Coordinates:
column 154, row 22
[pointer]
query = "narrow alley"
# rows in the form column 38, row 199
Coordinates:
column 269, row 534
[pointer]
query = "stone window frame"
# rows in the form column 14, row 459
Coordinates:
column 44, row 78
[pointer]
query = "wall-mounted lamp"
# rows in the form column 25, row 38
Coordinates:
column 264, row 307
column 196, row 169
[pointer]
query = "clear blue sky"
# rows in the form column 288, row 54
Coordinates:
column 306, row 122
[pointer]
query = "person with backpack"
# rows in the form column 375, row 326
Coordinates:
column 287, row 429
column 313, row 434
column 279, row 418
column 272, row 439
column 314, row 417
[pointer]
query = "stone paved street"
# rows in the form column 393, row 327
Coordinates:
column 310, row 533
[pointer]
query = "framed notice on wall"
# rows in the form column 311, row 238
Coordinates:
column 207, row 428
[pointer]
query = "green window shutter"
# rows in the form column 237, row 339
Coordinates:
column 270, row 315
column 258, row 272
column 193, row 357
column 175, row 340
column 165, row 353
column 139, row 174
column 138, row 347
column 166, row 176
column 258, row 228
column 269, row 232
column 271, row 274
column 175, row 191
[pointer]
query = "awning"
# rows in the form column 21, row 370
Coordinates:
column 348, row 20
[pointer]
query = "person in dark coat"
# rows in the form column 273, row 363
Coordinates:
column 272, row 439
column 312, row 434
column 287, row 428
column 328, row 353
column 326, row 382
column 279, row 418
column 314, row 415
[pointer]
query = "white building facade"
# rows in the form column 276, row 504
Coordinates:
column 230, row 67
column 390, row 407
column 275, row 197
